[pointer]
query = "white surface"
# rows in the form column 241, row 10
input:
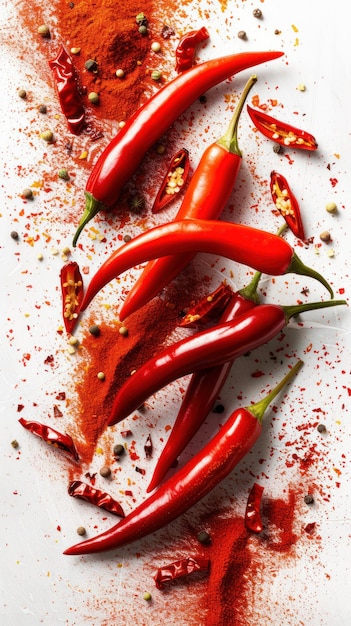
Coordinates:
column 38, row 584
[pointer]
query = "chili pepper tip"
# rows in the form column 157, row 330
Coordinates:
column 92, row 208
column 298, row 267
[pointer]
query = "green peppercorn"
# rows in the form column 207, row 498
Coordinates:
column 204, row 537
column 91, row 65
column 156, row 75
column 143, row 29
column 62, row 173
column 94, row 330
column 147, row 596
column 118, row 450
column 22, row 94
column 93, row 97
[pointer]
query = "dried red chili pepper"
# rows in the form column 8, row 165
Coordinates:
column 191, row 482
column 180, row 568
column 125, row 152
column 202, row 391
column 208, row 308
column 51, row 436
column 66, row 80
column 72, row 294
column 185, row 51
column 208, row 348
column 279, row 132
column 207, row 194
column 287, row 204
column 253, row 519
column 174, row 181
column 264, row 252
column 99, row 498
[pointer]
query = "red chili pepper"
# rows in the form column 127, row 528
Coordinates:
column 265, row 252
column 72, row 294
column 253, row 519
column 209, row 348
column 193, row 481
column 180, row 568
column 185, row 51
column 286, row 204
column 202, row 391
column 67, row 86
column 207, row 194
column 125, row 152
column 51, row 436
column 208, row 308
column 174, row 181
column 99, row 498
column 279, row 132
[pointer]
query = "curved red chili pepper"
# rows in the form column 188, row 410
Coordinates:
column 202, row 391
column 207, row 194
column 284, row 134
column 174, row 180
column 101, row 499
column 72, row 294
column 286, row 203
column 191, row 482
column 185, row 51
column 253, row 519
column 125, row 152
column 51, row 436
column 209, row 348
column 67, row 86
column 265, row 252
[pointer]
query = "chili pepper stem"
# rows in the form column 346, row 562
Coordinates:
column 92, row 208
column 295, row 309
column 298, row 267
column 259, row 408
column 229, row 141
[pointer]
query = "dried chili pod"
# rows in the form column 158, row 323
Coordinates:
column 174, row 181
column 287, row 204
column 51, row 436
column 253, row 519
column 279, row 132
column 103, row 500
column 180, row 568
column 208, row 308
column 185, row 51
column 72, row 294
column 66, row 80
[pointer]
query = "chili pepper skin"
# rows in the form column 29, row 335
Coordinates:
column 78, row 489
column 185, row 51
column 208, row 308
column 179, row 165
column 125, row 152
column 191, row 482
column 51, row 436
column 253, row 519
column 72, row 294
column 287, row 204
column 265, row 252
column 207, row 194
column 67, row 86
column 209, row 348
column 284, row 134
column 202, row 391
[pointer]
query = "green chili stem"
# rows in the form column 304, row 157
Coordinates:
column 229, row 141
column 92, row 208
column 296, row 309
column 298, row 267
column 259, row 408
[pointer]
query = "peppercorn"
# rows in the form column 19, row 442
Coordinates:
column 257, row 13
column 156, row 75
column 118, row 450
column 105, row 471
column 155, row 46
column 204, row 537
column 203, row 99
column 143, row 29
column 325, row 236
column 27, row 193
column 321, row 428
column 101, row 375
column 94, row 330
column 91, row 65
column 14, row 234
column 123, row 330
column 309, row 499
column 277, row 148
column 126, row 238
column 14, row 443
column 331, row 207
column 120, row 73
column 81, row 530
column 47, row 135
column 147, row 596
column 62, row 173
column 22, row 93
column 44, row 31
column 242, row 34
column 43, row 108
column 219, row 408
column 93, row 97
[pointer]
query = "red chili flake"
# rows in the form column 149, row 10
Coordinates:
column 128, row 492
column 253, row 519
column 180, row 568
column 334, row 181
column 126, row 433
column 103, row 500
column 58, row 528
column 310, row 528
column 257, row 374
column 61, row 395
column 57, row 412
column 58, row 440
column 140, row 471
column 49, row 360
column 148, row 447
column 20, row 407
